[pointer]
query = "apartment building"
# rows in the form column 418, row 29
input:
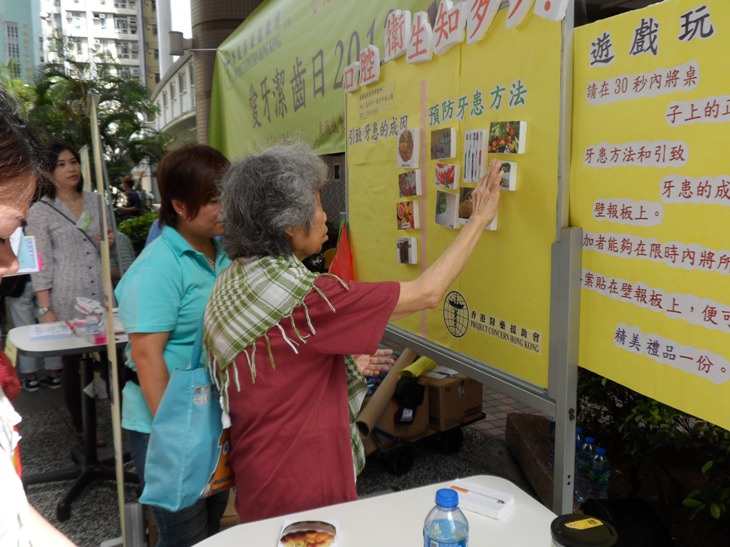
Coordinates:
column 125, row 30
column 20, row 42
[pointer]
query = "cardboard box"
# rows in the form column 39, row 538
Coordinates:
column 411, row 432
column 453, row 401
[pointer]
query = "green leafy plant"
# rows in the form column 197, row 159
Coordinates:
column 137, row 228
column 715, row 496
column 644, row 430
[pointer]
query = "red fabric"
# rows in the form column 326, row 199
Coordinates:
column 290, row 434
column 342, row 265
column 8, row 377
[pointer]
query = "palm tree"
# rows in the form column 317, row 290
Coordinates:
column 125, row 108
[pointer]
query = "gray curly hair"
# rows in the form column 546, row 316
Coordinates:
column 266, row 193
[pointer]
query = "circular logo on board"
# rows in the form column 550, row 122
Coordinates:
column 456, row 314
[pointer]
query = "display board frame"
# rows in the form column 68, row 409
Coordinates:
column 557, row 400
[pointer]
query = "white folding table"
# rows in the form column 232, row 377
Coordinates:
column 396, row 520
column 87, row 466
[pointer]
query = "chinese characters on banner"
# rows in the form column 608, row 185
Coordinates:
column 443, row 90
column 283, row 72
column 651, row 190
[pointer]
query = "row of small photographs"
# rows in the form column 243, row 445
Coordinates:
column 447, row 177
column 452, row 210
column 507, row 137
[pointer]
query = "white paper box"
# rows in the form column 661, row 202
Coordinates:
column 485, row 501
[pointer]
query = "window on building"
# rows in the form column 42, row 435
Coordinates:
column 57, row 3
column 11, row 30
column 120, row 23
column 157, row 77
column 173, row 92
column 77, row 21
column 154, row 30
column 124, row 72
column 157, row 54
column 182, row 84
column 164, row 99
column 154, row 5
column 123, row 49
column 191, row 78
column 12, row 45
column 120, row 3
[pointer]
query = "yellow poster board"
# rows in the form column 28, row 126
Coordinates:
column 498, row 311
column 651, row 190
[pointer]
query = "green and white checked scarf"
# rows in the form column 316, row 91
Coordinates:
column 248, row 299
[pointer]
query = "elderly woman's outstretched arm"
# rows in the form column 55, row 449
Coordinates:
column 427, row 290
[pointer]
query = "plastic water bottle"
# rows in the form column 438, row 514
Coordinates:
column 582, row 481
column 445, row 524
column 600, row 475
column 578, row 438
column 578, row 446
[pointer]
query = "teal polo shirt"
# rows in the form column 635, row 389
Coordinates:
column 165, row 290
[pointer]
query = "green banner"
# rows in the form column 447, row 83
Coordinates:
column 279, row 75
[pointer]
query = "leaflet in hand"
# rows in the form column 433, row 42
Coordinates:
column 25, row 249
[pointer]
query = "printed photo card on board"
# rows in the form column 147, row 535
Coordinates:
column 509, row 178
column 408, row 148
column 447, row 175
column 466, row 205
column 409, row 183
column 407, row 250
column 474, row 154
column 407, row 215
column 507, row 137
column 447, row 209
column 443, row 143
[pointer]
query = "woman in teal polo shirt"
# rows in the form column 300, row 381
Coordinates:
column 162, row 298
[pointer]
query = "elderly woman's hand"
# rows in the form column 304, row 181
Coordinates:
column 486, row 194
column 372, row 365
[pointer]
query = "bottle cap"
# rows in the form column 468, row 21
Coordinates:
column 447, row 498
column 600, row 451
column 590, row 440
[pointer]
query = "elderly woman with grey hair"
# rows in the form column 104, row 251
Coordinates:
column 281, row 338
